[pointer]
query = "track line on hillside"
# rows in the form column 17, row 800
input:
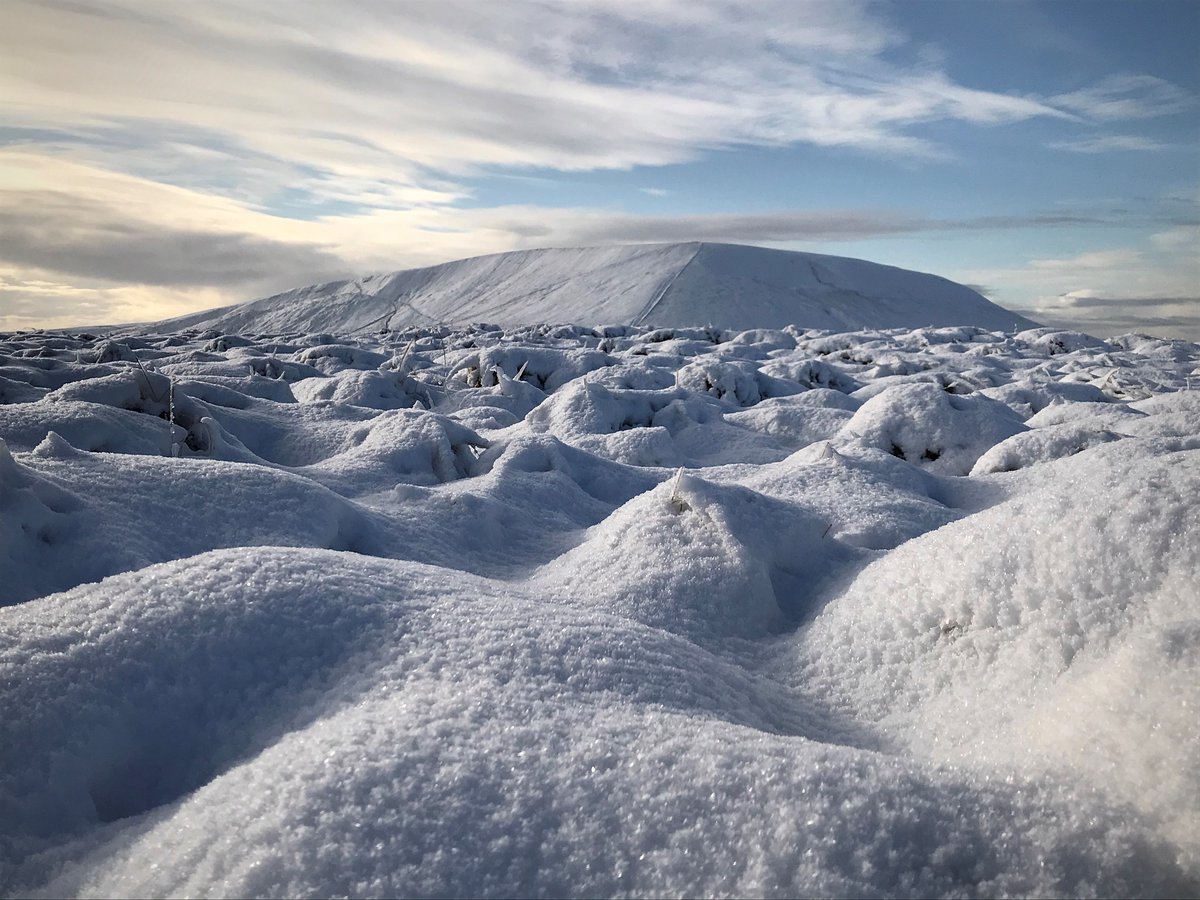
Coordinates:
column 640, row 318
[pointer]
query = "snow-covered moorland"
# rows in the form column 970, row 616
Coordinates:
column 561, row 610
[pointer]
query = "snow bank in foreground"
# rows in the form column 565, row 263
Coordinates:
column 307, row 723
column 440, row 614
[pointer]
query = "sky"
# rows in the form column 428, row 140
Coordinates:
column 161, row 156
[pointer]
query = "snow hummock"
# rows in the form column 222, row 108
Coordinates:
column 723, row 285
column 612, row 610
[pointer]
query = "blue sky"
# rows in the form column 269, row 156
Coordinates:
column 159, row 157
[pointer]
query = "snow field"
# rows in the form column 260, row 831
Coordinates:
column 614, row 611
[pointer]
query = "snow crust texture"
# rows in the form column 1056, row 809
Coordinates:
column 572, row 611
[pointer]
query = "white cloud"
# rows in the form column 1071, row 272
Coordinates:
column 1085, row 264
column 1107, row 291
column 1183, row 237
column 1169, row 317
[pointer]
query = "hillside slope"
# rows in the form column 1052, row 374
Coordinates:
column 726, row 285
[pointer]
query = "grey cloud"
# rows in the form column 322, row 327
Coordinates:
column 60, row 233
column 1141, row 212
column 529, row 230
column 109, row 12
column 807, row 225
column 1035, row 220
column 1130, row 302
column 980, row 288
column 747, row 227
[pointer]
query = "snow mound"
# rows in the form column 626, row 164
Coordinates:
column 753, row 556
column 1041, row 445
column 68, row 516
column 1080, row 589
column 931, row 427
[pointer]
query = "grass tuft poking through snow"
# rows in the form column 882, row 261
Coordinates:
column 678, row 503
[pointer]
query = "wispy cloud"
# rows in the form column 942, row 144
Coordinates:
column 393, row 104
column 1124, row 98
column 387, row 94
column 1108, row 143
column 409, row 86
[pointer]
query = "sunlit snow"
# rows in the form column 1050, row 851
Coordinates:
column 572, row 610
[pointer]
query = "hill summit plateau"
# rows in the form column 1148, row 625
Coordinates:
column 725, row 285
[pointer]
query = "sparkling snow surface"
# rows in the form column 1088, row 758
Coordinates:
column 573, row 611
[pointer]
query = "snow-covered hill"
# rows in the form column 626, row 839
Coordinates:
column 623, row 611
column 724, row 285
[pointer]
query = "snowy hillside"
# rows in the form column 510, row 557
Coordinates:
column 563, row 611
column 724, row 285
